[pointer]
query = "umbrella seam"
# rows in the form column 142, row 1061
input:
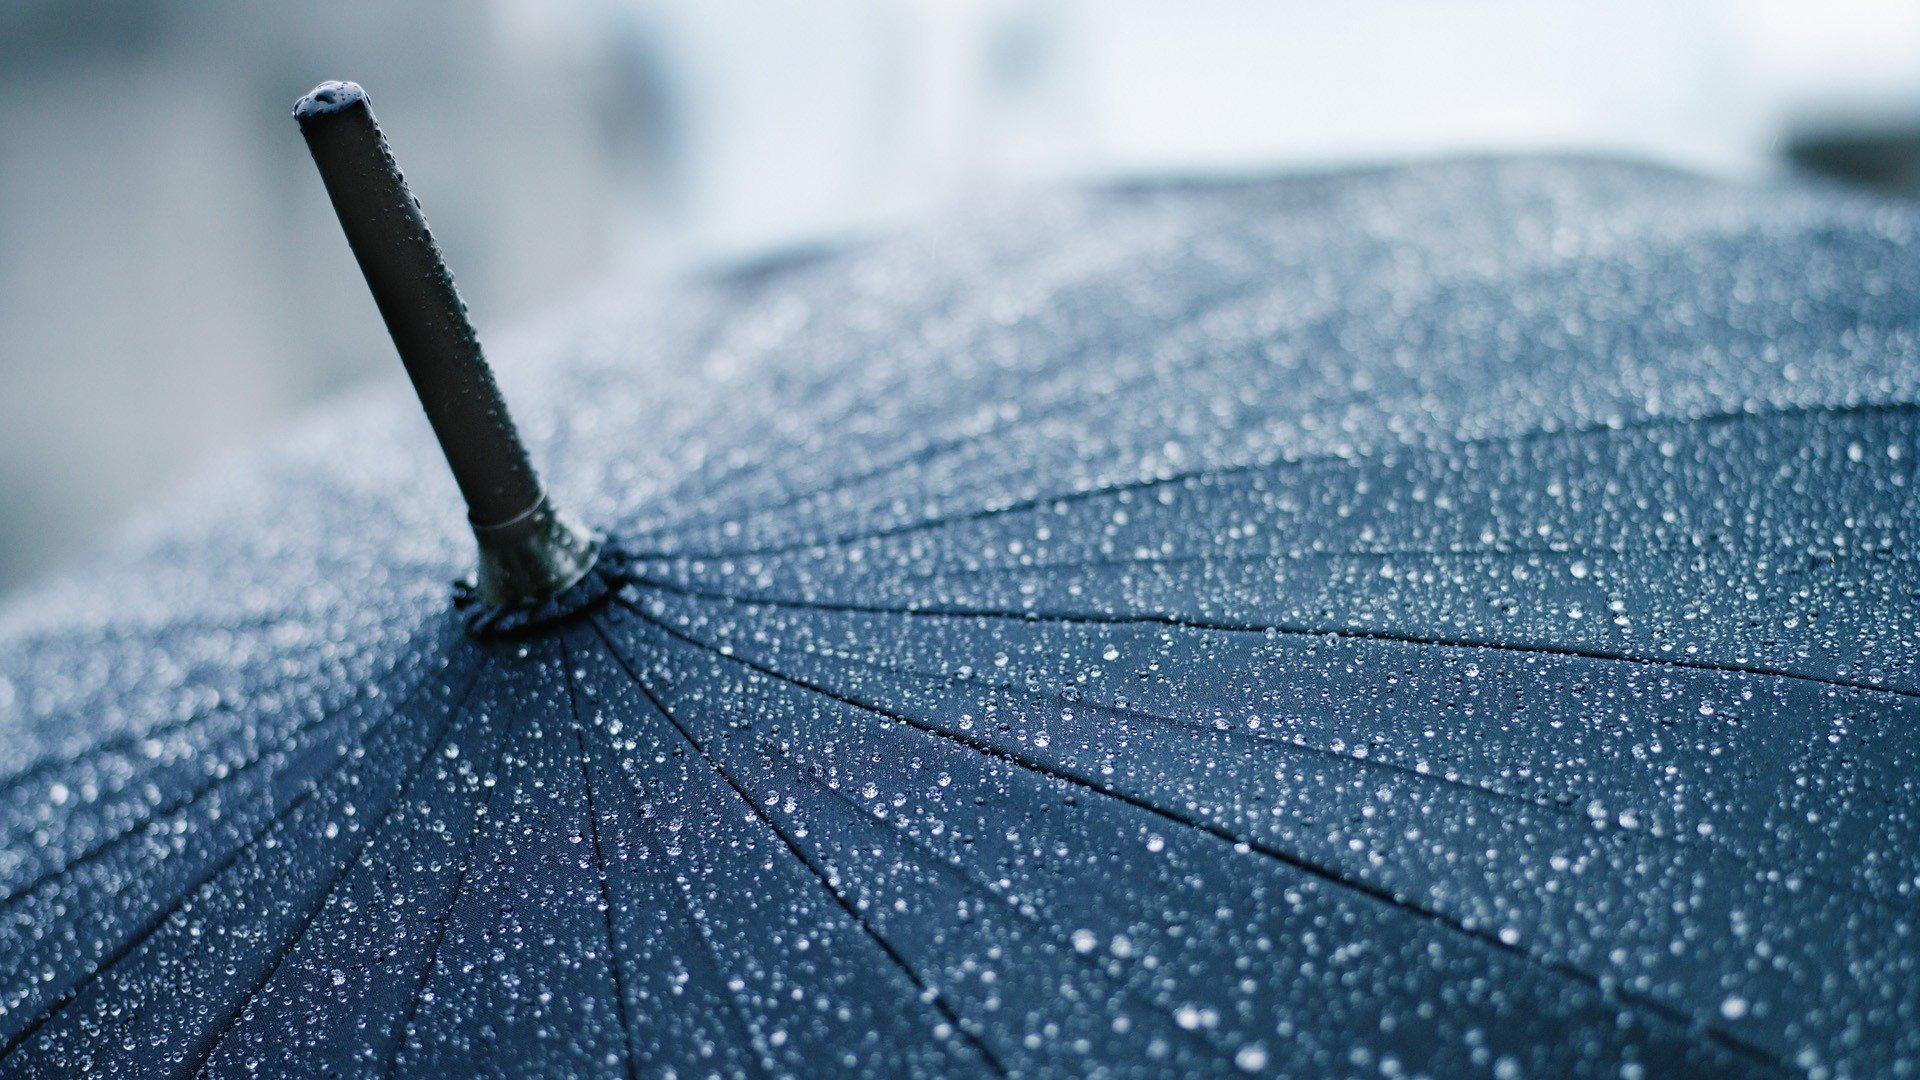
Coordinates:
column 971, row 881
column 1671, row 1014
column 1031, row 503
column 933, row 449
column 234, row 1016
column 600, row 863
column 678, row 888
column 123, row 739
column 71, row 994
column 212, row 784
column 1083, row 281
column 1179, row 622
column 126, row 739
column 938, row 1003
column 1709, row 846
column 398, row 1034
column 948, row 571
column 328, row 714
column 1214, row 299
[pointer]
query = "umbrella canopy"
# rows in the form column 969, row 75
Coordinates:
column 1445, row 620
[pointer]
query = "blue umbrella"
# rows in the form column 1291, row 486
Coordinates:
column 1445, row 620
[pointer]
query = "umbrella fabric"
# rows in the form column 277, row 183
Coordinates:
column 1432, row 621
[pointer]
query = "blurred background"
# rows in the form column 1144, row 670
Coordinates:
column 172, row 281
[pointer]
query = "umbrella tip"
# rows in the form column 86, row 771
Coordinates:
column 329, row 97
column 529, row 552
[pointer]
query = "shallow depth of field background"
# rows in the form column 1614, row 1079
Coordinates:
column 172, row 281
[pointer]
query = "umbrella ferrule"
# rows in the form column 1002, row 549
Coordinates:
column 528, row 551
column 535, row 555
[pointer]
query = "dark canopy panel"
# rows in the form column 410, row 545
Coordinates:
column 1451, row 620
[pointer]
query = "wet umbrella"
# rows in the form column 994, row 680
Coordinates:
column 1445, row 620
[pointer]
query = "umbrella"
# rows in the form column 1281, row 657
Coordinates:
column 1435, row 620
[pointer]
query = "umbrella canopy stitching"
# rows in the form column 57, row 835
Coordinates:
column 165, row 913
column 1266, row 468
column 1023, row 761
column 1565, row 806
column 1080, row 400
column 402, row 1029
column 72, row 752
column 1175, row 816
column 972, row 881
column 739, row 1025
column 202, row 1051
column 400, row 1035
column 883, row 578
column 1170, row 287
column 997, row 424
column 825, row 878
column 1210, row 1045
column 599, row 862
column 956, row 612
column 907, row 719
column 1226, row 716
column 938, row 1014
column 152, row 746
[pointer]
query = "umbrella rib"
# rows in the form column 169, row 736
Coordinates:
column 1036, row 502
column 965, row 877
column 126, row 739
column 399, row 1032
column 678, row 889
column 933, row 452
column 1872, row 896
column 938, row 1003
column 213, row 783
column 1671, row 1014
column 971, row 880
column 1211, row 301
column 182, row 803
column 600, row 864
column 792, row 499
column 930, row 452
column 1681, row 842
column 945, row 573
column 934, row 448
column 160, row 918
column 1289, row 630
column 203, row 1054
